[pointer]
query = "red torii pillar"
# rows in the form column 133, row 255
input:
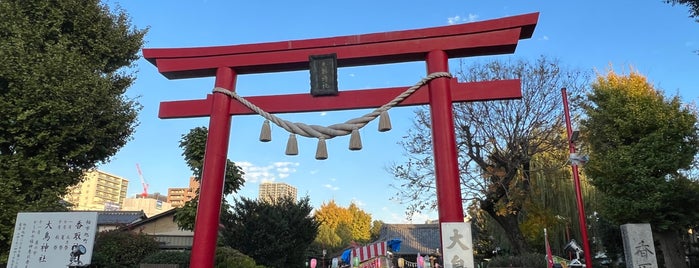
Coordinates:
column 433, row 45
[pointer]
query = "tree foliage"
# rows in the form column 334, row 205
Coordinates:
column 361, row 223
column 692, row 4
column 62, row 106
column 340, row 226
column 193, row 145
column 376, row 229
column 496, row 141
column 275, row 234
column 640, row 144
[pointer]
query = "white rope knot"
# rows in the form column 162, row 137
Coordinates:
column 341, row 129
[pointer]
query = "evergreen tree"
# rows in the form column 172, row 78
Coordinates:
column 275, row 234
column 640, row 143
column 193, row 145
column 65, row 69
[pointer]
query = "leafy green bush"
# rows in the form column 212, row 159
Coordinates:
column 122, row 249
column 529, row 260
column 229, row 257
column 225, row 257
column 180, row 258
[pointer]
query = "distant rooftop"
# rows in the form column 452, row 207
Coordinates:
column 119, row 217
column 415, row 238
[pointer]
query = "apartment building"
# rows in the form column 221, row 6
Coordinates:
column 98, row 191
column 272, row 191
column 150, row 206
column 178, row 196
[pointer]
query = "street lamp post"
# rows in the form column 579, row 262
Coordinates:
column 576, row 181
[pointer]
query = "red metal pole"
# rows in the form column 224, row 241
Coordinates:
column 211, row 190
column 444, row 141
column 576, row 181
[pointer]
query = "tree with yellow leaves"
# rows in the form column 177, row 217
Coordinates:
column 641, row 143
column 339, row 226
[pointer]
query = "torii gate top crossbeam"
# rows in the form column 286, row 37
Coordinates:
column 498, row 36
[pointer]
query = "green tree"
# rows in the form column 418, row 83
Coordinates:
column 375, row 231
column 275, row 234
column 66, row 67
column 193, row 145
column 122, row 249
column 496, row 141
column 640, row 143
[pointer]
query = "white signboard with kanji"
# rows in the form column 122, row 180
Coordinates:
column 53, row 239
column 457, row 245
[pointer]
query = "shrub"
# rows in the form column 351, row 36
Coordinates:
column 225, row 257
column 121, row 249
column 180, row 258
column 529, row 260
column 229, row 257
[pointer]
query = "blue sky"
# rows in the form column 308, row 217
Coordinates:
column 657, row 39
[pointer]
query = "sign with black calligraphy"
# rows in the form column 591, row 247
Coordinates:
column 638, row 245
column 53, row 239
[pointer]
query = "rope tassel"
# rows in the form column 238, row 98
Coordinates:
column 322, row 150
column 292, row 147
column 355, row 140
column 384, row 122
column 266, row 132
column 332, row 131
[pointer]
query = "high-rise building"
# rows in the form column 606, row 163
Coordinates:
column 272, row 191
column 98, row 191
column 178, row 196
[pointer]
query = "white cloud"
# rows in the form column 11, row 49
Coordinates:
column 393, row 216
column 268, row 173
column 331, row 187
column 323, row 113
column 358, row 202
column 544, row 38
column 458, row 19
column 285, row 169
column 285, row 164
column 453, row 20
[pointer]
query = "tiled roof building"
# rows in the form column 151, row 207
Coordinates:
column 415, row 238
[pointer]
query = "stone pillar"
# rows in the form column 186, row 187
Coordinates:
column 638, row 245
column 457, row 245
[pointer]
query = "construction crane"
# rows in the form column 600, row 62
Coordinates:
column 143, row 182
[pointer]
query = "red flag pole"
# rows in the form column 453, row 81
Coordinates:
column 576, row 181
column 549, row 255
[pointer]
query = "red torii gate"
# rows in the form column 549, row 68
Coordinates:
column 433, row 45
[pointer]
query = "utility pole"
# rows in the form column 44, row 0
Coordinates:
column 574, row 159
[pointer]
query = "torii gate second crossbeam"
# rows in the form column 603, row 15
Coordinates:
column 432, row 45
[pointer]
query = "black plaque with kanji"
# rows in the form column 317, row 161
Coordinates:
column 323, row 74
